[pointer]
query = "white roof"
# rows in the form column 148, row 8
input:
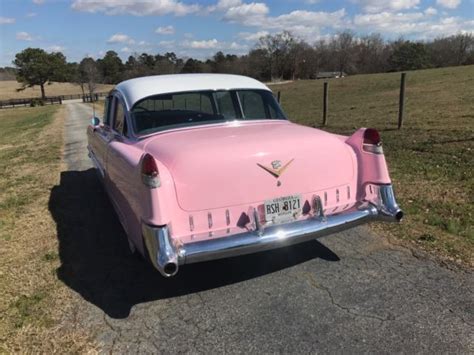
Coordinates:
column 134, row 90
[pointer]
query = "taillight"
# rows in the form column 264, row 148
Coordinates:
column 371, row 136
column 372, row 141
column 150, row 173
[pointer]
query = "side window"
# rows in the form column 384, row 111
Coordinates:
column 119, row 118
column 252, row 104
column 107, row 105
column 226, row 104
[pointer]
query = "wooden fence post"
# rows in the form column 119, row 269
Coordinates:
column 401, row 103
column 325, row 103
column 279, row 96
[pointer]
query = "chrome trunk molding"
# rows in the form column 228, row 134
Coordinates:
column 166, row 255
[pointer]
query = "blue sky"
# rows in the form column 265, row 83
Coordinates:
column 81, row 28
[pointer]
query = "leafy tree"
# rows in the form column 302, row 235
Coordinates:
column 37, row 67
column 192, row 66
column 111, row 67
column 409, row 56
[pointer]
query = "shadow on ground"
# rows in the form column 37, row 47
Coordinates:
column 96, row 261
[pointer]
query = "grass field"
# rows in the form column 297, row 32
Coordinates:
column 8, row 90
column 33, row 299
column 431, row 159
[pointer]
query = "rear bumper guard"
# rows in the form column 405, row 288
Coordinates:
column 166, row 256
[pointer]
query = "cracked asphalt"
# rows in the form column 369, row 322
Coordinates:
column 351, row 292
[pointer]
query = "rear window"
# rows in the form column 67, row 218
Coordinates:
column 183, row 109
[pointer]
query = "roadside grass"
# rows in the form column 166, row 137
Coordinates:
column 33, row 300
column 431, row 159
column 8, row 90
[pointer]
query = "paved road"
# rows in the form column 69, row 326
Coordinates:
column 350, row 292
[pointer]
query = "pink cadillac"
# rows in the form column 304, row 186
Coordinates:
column 207, row 166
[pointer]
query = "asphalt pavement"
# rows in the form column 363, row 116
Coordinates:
column 351, row 292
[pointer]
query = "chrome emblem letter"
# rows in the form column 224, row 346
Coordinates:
column 276, row 168
column 276, row 164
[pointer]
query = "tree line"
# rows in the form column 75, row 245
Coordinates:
column 279, row 56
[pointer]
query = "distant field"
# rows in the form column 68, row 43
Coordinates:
column 8, row 90
column 431, row 159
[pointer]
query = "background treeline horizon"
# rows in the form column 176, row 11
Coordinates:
column 280, row 56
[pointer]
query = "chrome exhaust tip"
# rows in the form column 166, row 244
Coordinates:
column 399, row 215
column 170, row 269
column 161, row 250
column 388, row 209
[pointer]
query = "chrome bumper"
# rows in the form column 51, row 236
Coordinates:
column 166, row 256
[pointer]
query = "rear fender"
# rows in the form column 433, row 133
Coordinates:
column 372, row 167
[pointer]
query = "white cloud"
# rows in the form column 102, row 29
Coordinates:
column 203, row 49
column 212, row 43
column 431, row 11
column 250, row 13
column 166, row 30
column 238, row 46
column 450, row 4
column 234, row 10
column 126, row 50
column 136, row 8
column 167, row 44
column 143, row 43
column 387, row 5
column 388, row 21
column 120, row 38
column 252, row 36
column 23, row 36
column 56, row 48
column 38, row 2
column 6, row 20
column 302, row 23
column 419, row 24
column 223, row 5
column 31, row 14
column 308, row 19
column 311, row 2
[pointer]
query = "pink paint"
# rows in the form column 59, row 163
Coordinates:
column 212, row 170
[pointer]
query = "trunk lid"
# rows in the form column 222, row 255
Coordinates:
column 235, row 164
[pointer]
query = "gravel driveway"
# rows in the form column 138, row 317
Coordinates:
column 350, row 292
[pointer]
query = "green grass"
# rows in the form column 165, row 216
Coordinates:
column 30, row 310
column 19, row 184
column 431, row 159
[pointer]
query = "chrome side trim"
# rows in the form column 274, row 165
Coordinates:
column 373, row 148
column 166, row 255
column 95, row 162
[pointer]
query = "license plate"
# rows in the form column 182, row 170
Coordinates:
column 283, row 209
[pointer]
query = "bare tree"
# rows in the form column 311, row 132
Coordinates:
column 278, row 50
column 343, row 46
column 88, row 75
column 371, row 56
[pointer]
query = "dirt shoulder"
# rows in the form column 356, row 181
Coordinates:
column 34, row 301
